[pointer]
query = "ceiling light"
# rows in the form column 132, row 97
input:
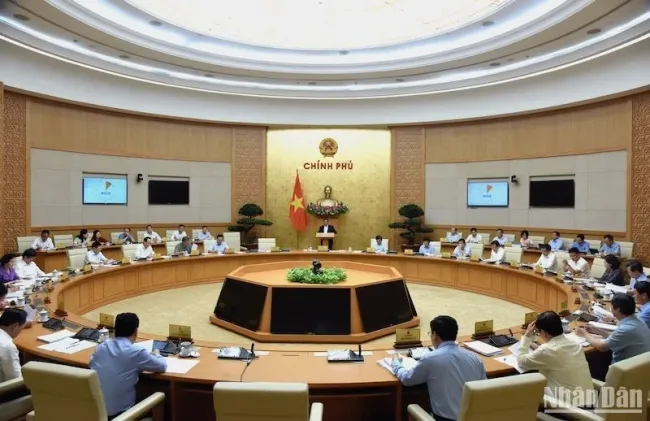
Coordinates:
column 155, row 23
column 487, row 23
column 125, row 57
column 594, row 31
column 21, row 17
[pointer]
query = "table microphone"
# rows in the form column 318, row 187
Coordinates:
column 248, row 361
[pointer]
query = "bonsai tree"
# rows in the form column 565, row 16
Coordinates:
column 412, row 223
column 249, row 220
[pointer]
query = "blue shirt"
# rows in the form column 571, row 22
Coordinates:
column 219, row 248
column 583, row 246
column 118, row 364
column 615, row 248
column 631, row 338
column 125, row 238
column 557, row 244
column 641, row 277
column 427, row 250
column 644, row 314
column 453, row 237
column 204, row 236
column 380, row 248
column 445, row 370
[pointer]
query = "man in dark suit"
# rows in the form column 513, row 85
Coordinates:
column 327, row 228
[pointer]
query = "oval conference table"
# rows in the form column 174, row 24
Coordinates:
column 348, row 391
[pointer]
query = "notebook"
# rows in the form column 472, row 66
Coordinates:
column 407, row 363
column 56, row 336
column 604, row 326
column 482, row 348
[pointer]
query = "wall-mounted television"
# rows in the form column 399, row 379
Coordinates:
column 104, row 189
column 169, row 191
column 557, row 193
column 483, row 193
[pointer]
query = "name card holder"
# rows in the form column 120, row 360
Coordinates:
column 529, row 318
column 370, row 250
column 107, row 321
column 180, row 333
column 86, row 269
column 194, row 252
column 126, row 261
column 229, row 251
column 408, row 252
column 64, row 277
column 322, row 248
column 277, row 249
column 446, row 255
column 157, row 256
column 407, row 338
column 539, row 269
column 443, row 239
column 483, row 330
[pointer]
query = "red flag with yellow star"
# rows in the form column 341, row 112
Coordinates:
column 297, row 212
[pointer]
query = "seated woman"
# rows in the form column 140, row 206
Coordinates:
column 97, row 238
column 525, row 241
column 7, row 272
column 613, row 273
column 125, row 237
column 82, row 238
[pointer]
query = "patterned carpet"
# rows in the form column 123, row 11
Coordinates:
column 193, row 306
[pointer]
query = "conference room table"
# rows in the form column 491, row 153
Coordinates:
column 362, row 391
column 529, row 255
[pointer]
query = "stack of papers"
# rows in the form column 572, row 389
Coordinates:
column 68, row 345
column 577, row 339
column 175, row 365
column 56, row 336
column 510, row 360
column 616, row 288
column 604, row 326
column 601, row 312
column 407, row 363
column 482, row 348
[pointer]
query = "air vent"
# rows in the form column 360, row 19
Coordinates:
column 155, row 23
column 594, row 31
column 125, row 57
column 495, row 64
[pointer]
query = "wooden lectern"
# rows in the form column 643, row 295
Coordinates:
column 329, row 236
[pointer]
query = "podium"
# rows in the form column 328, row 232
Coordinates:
column 329, row 236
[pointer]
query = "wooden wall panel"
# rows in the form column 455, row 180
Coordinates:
column 248, row 168
column 639, row 190
column 63, row 127
column 594, row 128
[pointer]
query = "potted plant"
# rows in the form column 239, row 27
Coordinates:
column 412, row 223
column 248, row 221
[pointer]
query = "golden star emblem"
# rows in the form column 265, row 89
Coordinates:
column 296, row 203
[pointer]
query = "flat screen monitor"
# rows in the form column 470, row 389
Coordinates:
column 98, row 190
column 552, row 193
column 487, row 193
column 241, row 303
column 169, row 192
column 383, row 305
column 317, row 311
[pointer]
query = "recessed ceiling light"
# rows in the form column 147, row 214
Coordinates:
column 21, row 17
column 344, row 52
column 594, row 31
column 399, row 80
column 312, row 83
column 487, row 23
column 208, row 75
column 125, row 57
column 495, row 64
column 155, row 23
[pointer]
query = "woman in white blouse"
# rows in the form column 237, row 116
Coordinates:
column 525, row 241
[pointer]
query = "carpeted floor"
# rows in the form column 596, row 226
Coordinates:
column 193, row 305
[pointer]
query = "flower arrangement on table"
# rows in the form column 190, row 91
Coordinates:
column 327, row 211
column 307, row 276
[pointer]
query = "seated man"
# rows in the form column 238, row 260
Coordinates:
column 204, row 234
column 631, row 337
column 118, row 363
column 462, row 250
column 427, row 248
column 453, row 236
column 642, row 299
column 155, row 238
column 144, row 250
column 609, row 246
column 26, row 268
column 581, row 244
column 559, row 359
column 577, row 265
column 44, row 242
column 219, row 246
column 556, row 241
column 179, row 234
column 474, row 237
column 498, row 253
column 12, row 322
column 635, row 270
column 445, row 370
column 500, row 238
column 380, row 246
column 185, row 246
column 125, row 237
column 95, row 255
column 547, row 258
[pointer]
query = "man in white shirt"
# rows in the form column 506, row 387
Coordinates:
column 204, row 234
column 179, row 234
column 26, row 268
column 219, row 246
column 95, row 255
column 453, row 236
column 577, row 265
column 462, row 250
column 474, row 237
column 155, row 238
column 559, row 359
column 500, row 238
column 498, row 253
column 547, row 259
column 144, row 250
column 380, row 246
column 12, row 322
column 44, row 242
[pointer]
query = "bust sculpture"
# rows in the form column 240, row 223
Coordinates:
column 327, row 200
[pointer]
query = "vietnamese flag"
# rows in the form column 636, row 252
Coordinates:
column 297, row 212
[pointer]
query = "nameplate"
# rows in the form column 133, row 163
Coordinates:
column 474, row 258
column 539, row 269
column 180, row 331
column 194, row 252
column 321, row 248
column 530, row 317
column 407, row 338
column 408, row 252
column 126, row 261
column 157, row 256
column 277, row 249
column 481, row 328
column 443, row 239
column 64, row 277
column 229, row 251
column 86, row 268
column 107, row 320
column 564, row 305
column 514, row 265
column 370, row 250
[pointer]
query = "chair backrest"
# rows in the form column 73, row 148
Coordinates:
column 235, row 401
column 566, row 243
column 561, row 257
column 384, row 241
column 632, row 375
column 76, row 257
column 233, row 239
column 64, row 393
column 24, row 243
column 485, row 237
column 475, row 250
column 128, row 250
column 437, row 246
column 63, row 240
column 207, row 245
column 513, row 254
column 196, row 232
column 646, row 271
column 504, row 398
column 537, row 239
column 598, row 267
column 510, row 238
column 627, row 248
column 115, row 237
column 141, row 235
column 265, row 244
column 170, row 246
column 594, row 243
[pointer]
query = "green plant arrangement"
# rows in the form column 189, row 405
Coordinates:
column 306, row 276
column 412, row 223
column 249, row 220
column 327, row 211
